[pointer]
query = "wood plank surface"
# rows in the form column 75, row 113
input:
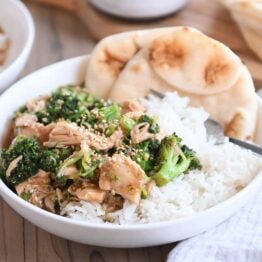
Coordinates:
column 59, row 35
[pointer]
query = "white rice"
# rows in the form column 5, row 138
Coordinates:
column 226, row 170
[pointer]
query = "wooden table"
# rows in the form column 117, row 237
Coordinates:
column 59, row 35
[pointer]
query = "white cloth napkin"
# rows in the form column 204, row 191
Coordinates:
column 239, row 239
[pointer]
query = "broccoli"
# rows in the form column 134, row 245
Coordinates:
column 68, row 103
column 145, row 154
column 127, row 124
column 153, row 126
column 29, row 151
column 71, row 160
column 174, row 160
column 104, row 119
column 190, row 154
column 86, row 161
column 51, row 159
column 110, row 112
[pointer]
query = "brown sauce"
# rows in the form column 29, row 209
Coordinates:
column 8, row 135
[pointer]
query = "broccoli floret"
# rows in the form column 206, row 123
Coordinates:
column 190, row 154
column 28, row 150
column 174, row 160
column 104, row 119
column 127, row 124
column 51, row 159
column 153, row 126
column 86, row 161
column 71, row 160
column 145, row 154
column 89, row 162
column 69, row 103
column 110, row 112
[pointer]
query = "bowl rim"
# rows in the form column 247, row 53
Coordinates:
column 4, row 189
column 29, row 41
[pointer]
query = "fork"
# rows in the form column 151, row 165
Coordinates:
column 217, row 131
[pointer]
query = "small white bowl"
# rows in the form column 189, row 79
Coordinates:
column 73, row 71
column 18, row 24
column 140, row 9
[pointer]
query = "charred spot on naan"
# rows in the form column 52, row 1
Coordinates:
column 167, row 53
column 115, row 60
column 245, row 4
column 136, row 68
column 236, row 127
column 215, row 71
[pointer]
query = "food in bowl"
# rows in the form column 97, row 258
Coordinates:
column 18, row 25
column 4, row 47
column 135, row 162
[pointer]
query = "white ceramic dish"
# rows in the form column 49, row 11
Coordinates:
column 73, row 71
column 133, row 9
column 18, row 24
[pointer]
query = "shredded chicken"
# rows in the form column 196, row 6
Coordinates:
column 86, row 191
column 123, row 176
column 13, row 165
column 36, row 104
column 140, row 133
column 132, row 106
column 38, row 188
column 25, row 120
column 64, row 134
column 27, row 125
column 132, row 109
column 70, row 171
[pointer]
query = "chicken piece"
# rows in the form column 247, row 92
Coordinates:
column 25, row 120
column 132, row 106
column 64, row 134
column 13, row 165
column 27, row 125
column 105, row 143
column 36, row 104
column 132, row 109
column 140, row 133
column 70, row 171
column 86, row 191
column 38, row 188
column 123, row 176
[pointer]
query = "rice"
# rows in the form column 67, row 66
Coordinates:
column 226, row 170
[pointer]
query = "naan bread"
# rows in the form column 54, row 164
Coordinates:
column 193, row 62
column 253, row 39
column 111, row 55
column 248, row 16
column 136, row 79
column 235, row 108
column 230, row 98
column 107, row 60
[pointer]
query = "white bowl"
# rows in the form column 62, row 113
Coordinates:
column 18, row 24
column 73, row 71
column 141, row 9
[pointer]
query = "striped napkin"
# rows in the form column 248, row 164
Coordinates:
column 239, row 239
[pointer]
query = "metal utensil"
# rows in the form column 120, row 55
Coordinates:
column 215, row 130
